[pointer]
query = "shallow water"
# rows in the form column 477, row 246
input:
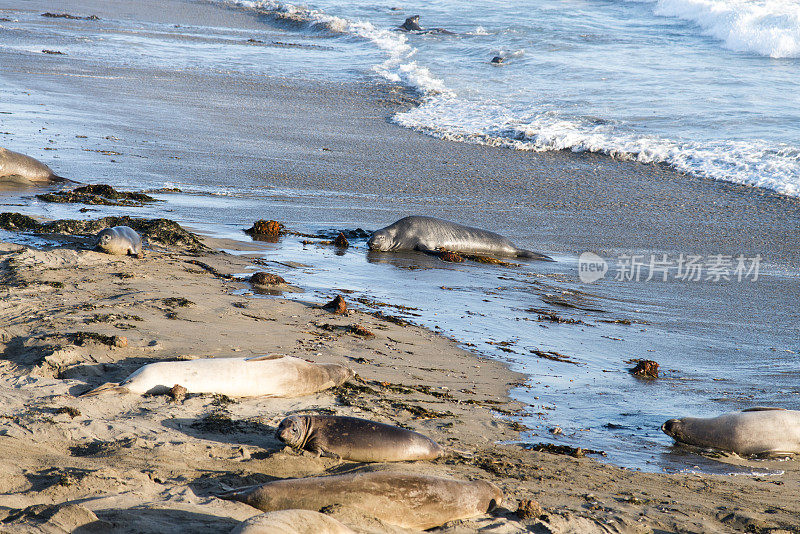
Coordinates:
column 708, row 86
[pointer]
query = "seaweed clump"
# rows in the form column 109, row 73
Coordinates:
column 97, row 194
column 266, row 230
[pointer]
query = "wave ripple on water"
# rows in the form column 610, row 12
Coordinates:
column 728, row 127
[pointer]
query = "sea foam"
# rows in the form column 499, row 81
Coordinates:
column 754, row 163
column 766, row 27
column 398, row 65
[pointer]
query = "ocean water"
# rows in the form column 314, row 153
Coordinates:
column 689, row 84
column 709, row 87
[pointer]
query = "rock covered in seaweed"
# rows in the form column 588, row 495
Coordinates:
column 161, row 231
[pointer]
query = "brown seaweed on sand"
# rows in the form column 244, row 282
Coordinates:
column 645, row 369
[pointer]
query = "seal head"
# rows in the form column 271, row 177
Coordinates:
column 411, row 24
column 293, row 431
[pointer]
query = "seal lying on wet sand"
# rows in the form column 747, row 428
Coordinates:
column 408, row 501
column 292, row 522
column 268, row 376
column 120, row 240
column 428, row 234
column 755, row 431
column 359, row 440
column 19, row 168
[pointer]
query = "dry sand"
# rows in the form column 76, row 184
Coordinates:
column 126, row 463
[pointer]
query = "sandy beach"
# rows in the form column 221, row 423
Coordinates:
column 317, row 155
column 127, row 463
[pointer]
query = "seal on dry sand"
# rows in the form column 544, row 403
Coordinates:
column 268, row 376
column 752, row 432
column 291, row 522
column 404, row 500
column 19, row 168
column 358, row 440
column 428, row 234
column 120, row 240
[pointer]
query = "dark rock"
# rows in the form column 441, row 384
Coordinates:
column 97, row 194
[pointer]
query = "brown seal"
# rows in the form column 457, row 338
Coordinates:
column 404, row 500
column 359, row 440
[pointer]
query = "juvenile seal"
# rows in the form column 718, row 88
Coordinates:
column 404, row 500
column 428, row 234
column 16, row 167
column 292, row 522
column 268, row 376
column 359, row 440
column 755, row 431
column 120, row 240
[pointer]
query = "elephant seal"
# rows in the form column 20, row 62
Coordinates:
column 428, row 234
column 404, row 500
column 268, row 376
column 120, row 240
column 359, row 440
column 19, row 168
column 755, row 431
column 411, row 24
column 292, row 522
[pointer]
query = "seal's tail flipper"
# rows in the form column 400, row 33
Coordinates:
column 447, row 452
column 62, row 180
column 239, row 494
column 533, row 255
column 112, row 387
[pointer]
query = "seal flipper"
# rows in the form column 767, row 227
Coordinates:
column 107, row 387
column 522, row 253
column 61, row 180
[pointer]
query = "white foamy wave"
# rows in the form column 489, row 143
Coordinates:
column 754, row 163
column 479, row 30
column 767, row 27
column 398, row 66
